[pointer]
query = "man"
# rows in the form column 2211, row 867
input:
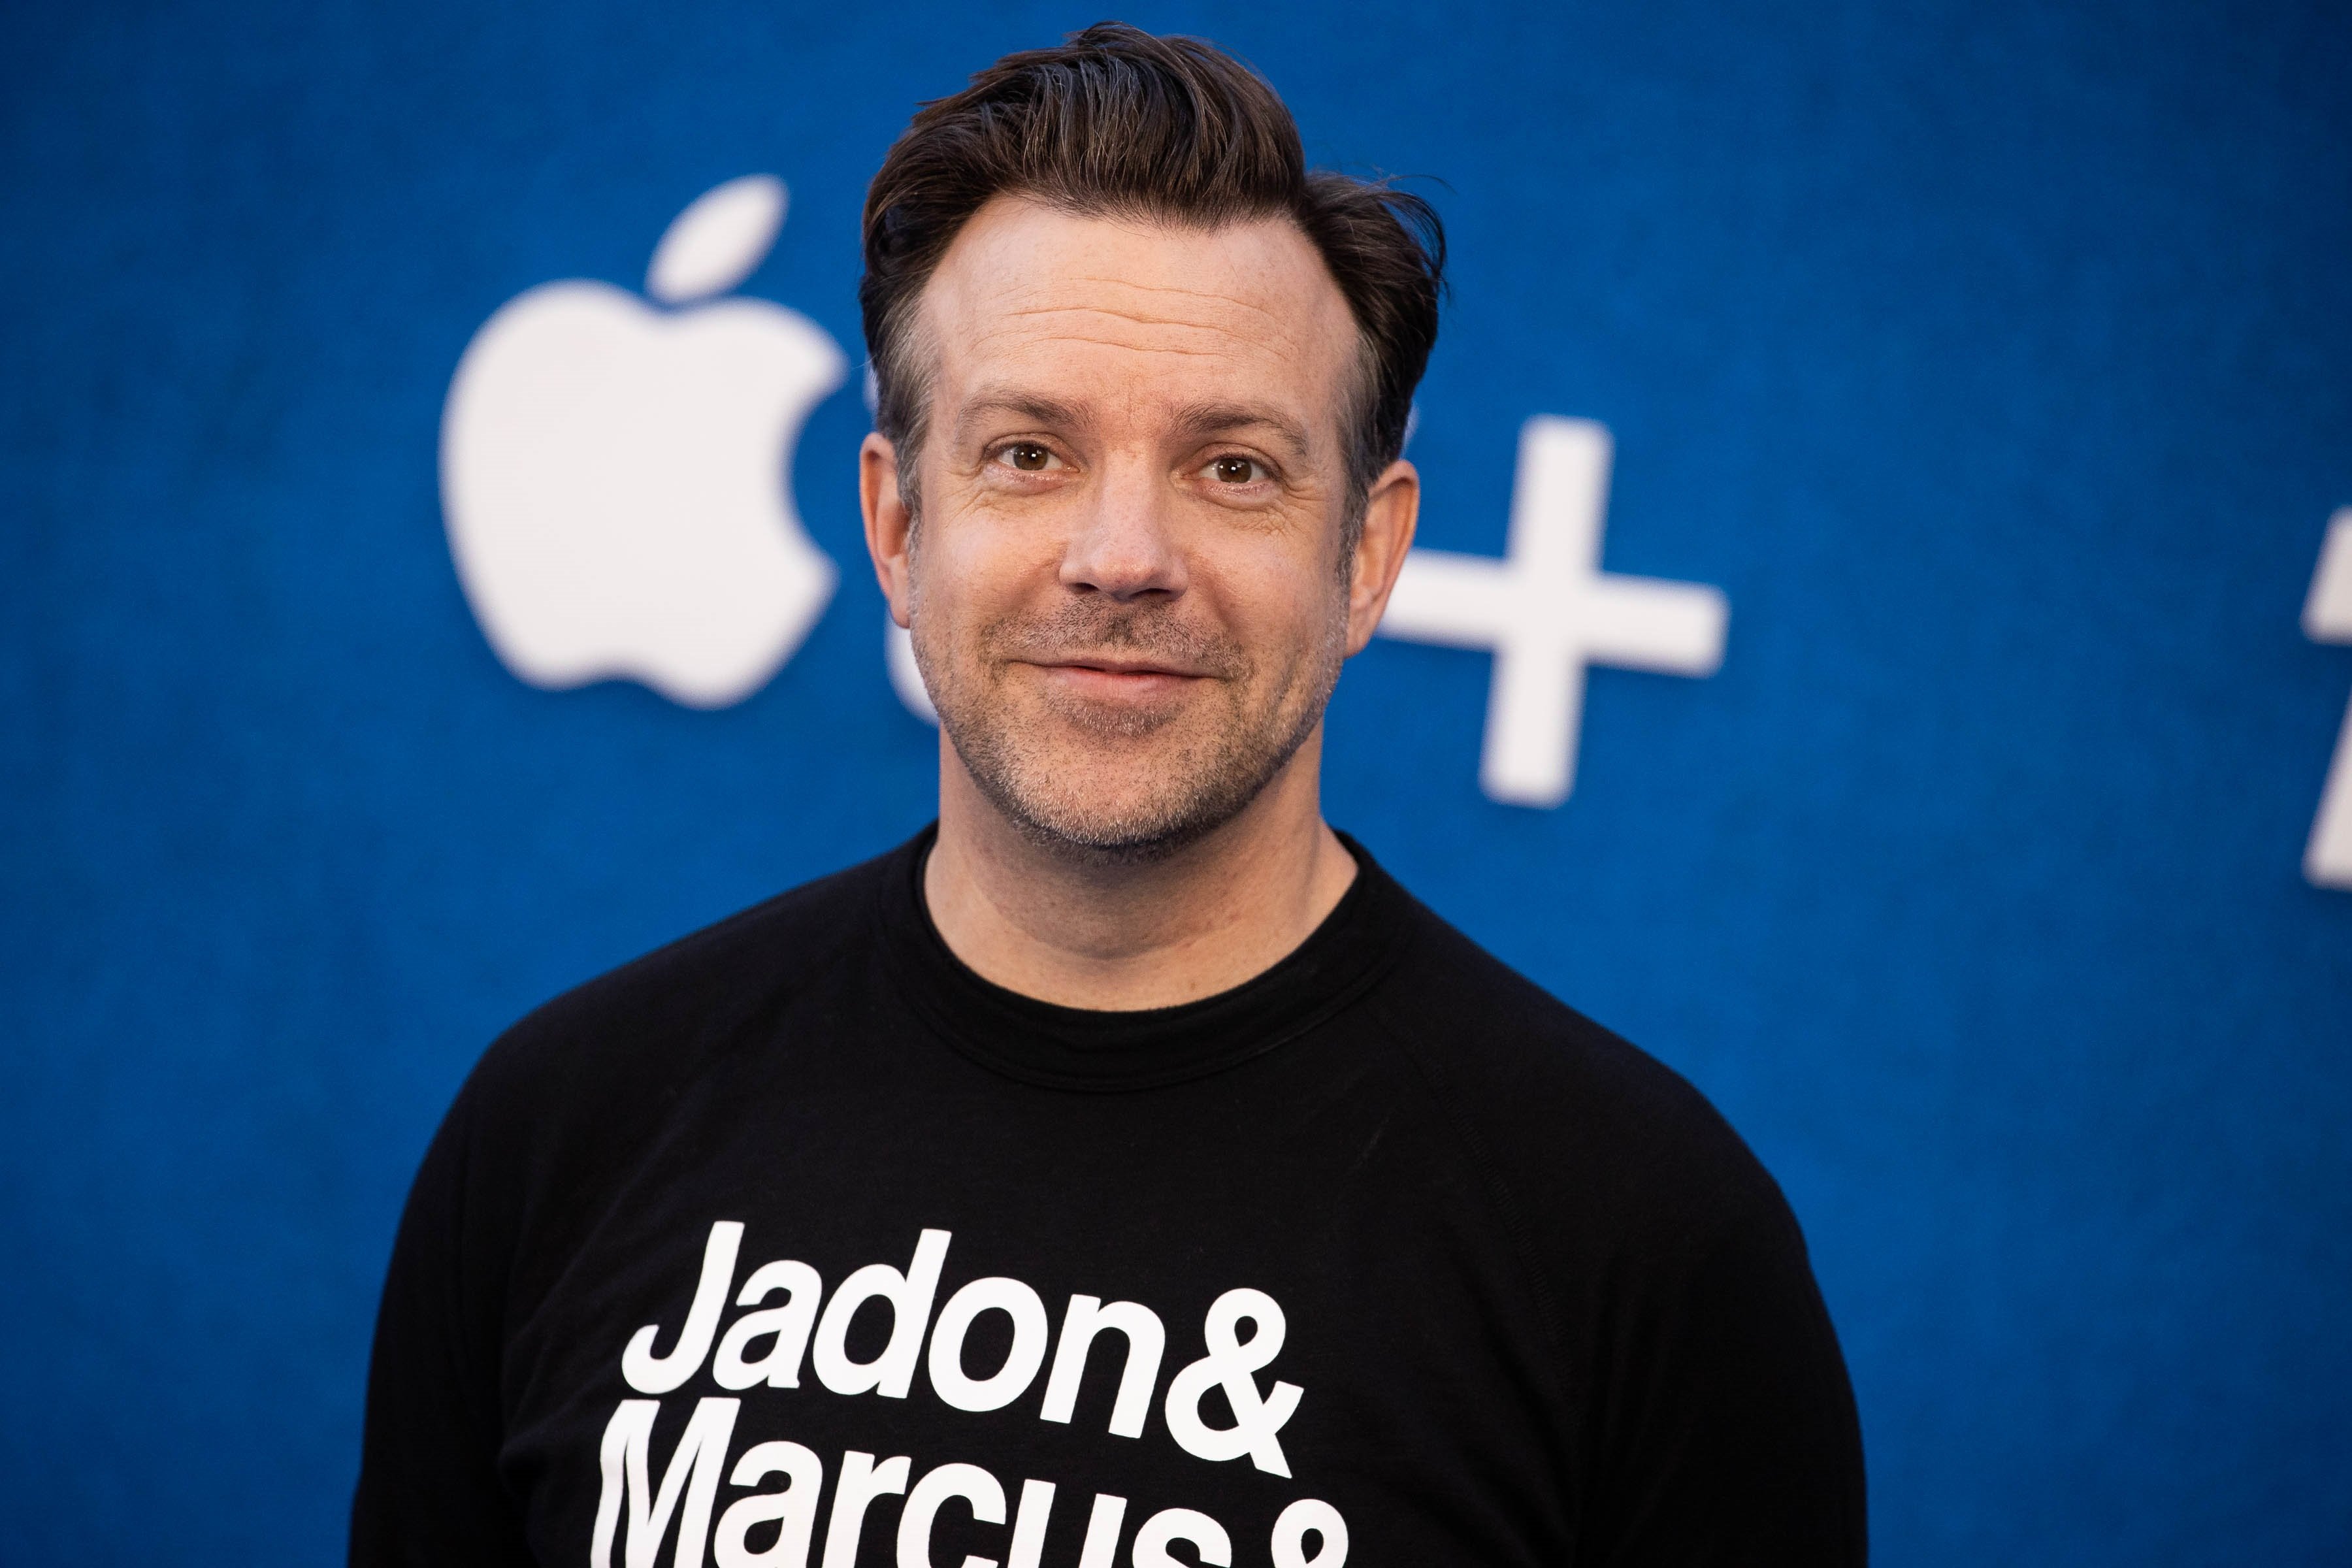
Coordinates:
column 1126, row 1171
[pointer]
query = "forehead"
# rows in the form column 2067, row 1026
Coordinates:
column 1137, row 312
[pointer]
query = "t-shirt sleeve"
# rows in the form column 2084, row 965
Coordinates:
column 429, row 1491
column 1730, row 1434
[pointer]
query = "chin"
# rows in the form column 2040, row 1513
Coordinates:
column 1095, row 841
column 1120, row 818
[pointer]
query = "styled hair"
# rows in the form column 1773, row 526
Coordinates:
column 1119, row 123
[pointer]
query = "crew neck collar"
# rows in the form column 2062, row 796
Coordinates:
column 1088, row 1049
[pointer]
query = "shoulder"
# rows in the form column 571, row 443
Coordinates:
column 1572, row 1122
column 620, row 1046
column 1691, row 1336
column 568, row 1102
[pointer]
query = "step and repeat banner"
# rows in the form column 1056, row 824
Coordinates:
column 1881, row 640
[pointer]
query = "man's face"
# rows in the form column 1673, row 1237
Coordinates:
column 1125, row 583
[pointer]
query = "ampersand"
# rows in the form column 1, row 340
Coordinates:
column 1228, row 1364
column 1310, row 1516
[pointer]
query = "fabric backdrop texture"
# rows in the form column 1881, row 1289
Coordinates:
column 1984, row 371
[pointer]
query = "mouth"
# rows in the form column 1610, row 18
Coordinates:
column 1117, row 678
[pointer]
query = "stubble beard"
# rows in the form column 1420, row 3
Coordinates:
column 1195, row 787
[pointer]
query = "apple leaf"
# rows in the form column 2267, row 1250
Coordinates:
column 716, row 242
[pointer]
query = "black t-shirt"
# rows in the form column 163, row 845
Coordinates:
column 798, row 1242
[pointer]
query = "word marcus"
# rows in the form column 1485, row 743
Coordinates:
column 689, row 1489
column 792, row 1329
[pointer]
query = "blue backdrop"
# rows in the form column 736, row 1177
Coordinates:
column 1993, row 358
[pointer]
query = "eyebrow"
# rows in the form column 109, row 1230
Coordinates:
column 1031, row 407
column 1196, row 419
column 1221, row 418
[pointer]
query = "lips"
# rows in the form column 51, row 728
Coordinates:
column 1115, row 680
column 1124, row 668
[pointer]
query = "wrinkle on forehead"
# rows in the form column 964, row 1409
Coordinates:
column 1206, row 294
column 1136, row 317
column 1091, row 310
column 1128, row 343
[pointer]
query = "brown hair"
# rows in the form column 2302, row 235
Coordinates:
column 1120, row 122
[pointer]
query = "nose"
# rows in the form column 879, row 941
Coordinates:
column 1122, row 546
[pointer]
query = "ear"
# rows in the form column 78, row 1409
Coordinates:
column 889, row 526
column 1390, row 511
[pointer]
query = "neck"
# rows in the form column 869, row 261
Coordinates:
column 1087, row 933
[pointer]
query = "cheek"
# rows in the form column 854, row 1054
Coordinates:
column 968, row 571
column 1277, row 607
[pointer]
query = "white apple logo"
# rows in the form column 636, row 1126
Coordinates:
column 616, row 477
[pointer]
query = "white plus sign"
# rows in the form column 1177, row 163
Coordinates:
column 2327, row 617
column 1548, row 610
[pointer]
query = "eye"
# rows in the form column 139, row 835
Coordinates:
column 1027, row 457
column 1236, row 470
